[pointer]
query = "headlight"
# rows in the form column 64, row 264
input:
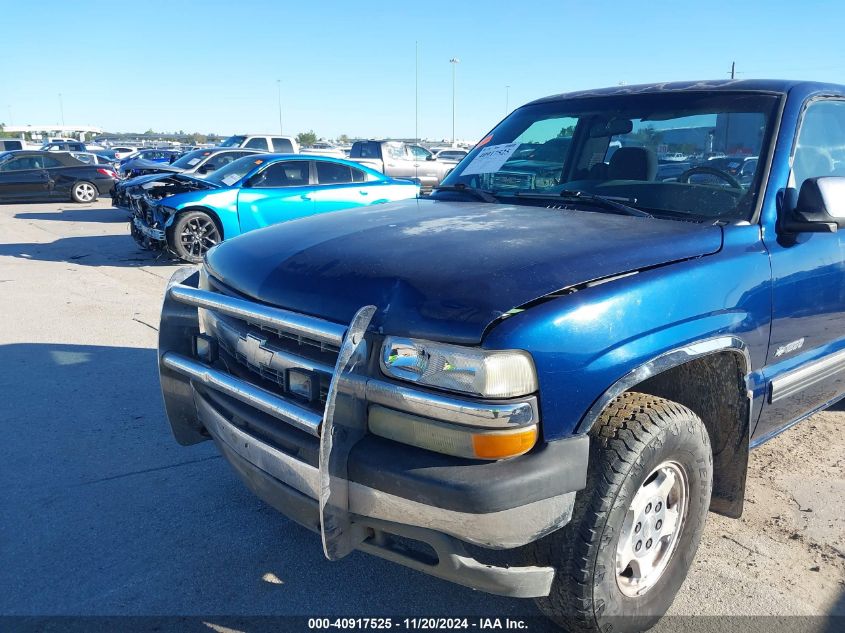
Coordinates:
column 487, row 373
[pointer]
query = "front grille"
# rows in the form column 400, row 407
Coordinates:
column 262, row 353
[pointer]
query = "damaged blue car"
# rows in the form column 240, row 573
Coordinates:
column 253, row 192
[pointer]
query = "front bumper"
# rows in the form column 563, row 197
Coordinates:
column 362, row 492
column 144, row 229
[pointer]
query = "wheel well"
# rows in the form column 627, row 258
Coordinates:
column 713, row 386
column 213, row 215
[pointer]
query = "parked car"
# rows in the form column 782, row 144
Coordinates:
column 163, row 178
column 64, row 146
column 153, row 155
column 538, row 391
column 266, row 142
column 91, row 158
column 254, row 192
column 34, row 175
column 323, row 149
column 401, row 160
column 9, row 144
column 122, row 151
column 451, row 155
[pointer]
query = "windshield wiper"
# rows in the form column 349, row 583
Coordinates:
column 478, row 194
column 589, row 198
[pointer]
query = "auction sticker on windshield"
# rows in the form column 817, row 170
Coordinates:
column 490, row 159
column 231, row 179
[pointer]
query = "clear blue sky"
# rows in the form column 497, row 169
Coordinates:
column 348, row 66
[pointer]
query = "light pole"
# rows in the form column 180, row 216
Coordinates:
column 507, row 99
column 416, row 92
column 279, row 97
column 62, row 109
column 454, row 61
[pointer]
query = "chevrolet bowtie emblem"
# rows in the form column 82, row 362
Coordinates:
column 254, row 351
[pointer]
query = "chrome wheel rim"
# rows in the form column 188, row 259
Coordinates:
column 651, row 529
column 85, row 192
column 198, row 235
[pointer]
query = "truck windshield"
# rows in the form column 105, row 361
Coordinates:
column 233, row 141
column 660, row 153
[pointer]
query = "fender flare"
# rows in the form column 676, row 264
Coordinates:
column 665, row 361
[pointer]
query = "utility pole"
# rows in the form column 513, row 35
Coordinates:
column 279, row 97
column 507, row 99
column 454, row 61
column 62, row 109
column 733, row 70
column 416, row 92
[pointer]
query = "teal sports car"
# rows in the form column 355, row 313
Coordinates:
column 190, row 215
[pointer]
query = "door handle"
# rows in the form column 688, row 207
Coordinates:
column 305, row 196
column 364, row 193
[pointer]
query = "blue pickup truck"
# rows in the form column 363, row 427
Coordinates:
column 538, row 382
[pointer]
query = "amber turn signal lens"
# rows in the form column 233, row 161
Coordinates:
column 501, row 445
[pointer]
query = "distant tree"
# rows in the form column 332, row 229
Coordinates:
column 306, row 138
column 343, row 139
column 197, row 138
column 569, row 130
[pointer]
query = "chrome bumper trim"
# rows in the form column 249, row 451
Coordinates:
column 247, row 393
column 447, row 409
column 263, row 316
column 500, row 530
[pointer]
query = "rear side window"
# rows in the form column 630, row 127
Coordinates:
column 358, row 175
column 286, row 174
column 366, row 149
column 333, row 173
column 282, row 145
column 24, row 162
column 257, row 143
column 49, row 162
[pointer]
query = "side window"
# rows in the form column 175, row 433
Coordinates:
column 257, row 143
column 216, row 162
column 282, row 145
column 821, row 139
column 333, row 173
column 24, row 162
column 420, row 153
column 368, row 149
column 49, row 161
column 358, row 175
column 396, row 151
column 287, row 174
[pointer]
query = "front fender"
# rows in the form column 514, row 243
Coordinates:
column 586, row 342
column 220, row 203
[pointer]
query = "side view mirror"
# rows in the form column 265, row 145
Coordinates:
column 819, row 206
column 431, row 157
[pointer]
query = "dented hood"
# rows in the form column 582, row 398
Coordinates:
column 444, row 270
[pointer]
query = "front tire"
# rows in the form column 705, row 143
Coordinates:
column 84, row 192
column 636, row 526
column 192, row 235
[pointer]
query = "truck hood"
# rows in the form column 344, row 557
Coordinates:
column 444, row 270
